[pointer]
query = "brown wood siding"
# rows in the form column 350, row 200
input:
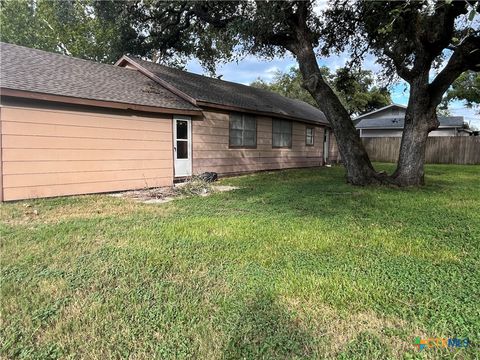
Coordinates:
column 53, row 152
column 212, row 153
column 333, row 153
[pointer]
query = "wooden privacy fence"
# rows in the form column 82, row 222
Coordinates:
column 440, row 150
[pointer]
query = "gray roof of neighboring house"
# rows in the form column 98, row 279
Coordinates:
column 54, row 74
column 397, row 122
column 219, row 92
column 368, row 114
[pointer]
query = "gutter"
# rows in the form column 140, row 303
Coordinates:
column 207, row 105
column 92, row 102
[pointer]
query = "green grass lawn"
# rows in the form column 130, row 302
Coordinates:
column 295, row 264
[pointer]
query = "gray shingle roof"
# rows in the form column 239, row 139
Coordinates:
column 370, row 114
column 39, row 71
column 220, row 92
column 397, row 122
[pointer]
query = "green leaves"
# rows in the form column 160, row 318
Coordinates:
column 68, row 27
column 466, row 88
column 386, row 29
column 355, row 89
column 471, row 15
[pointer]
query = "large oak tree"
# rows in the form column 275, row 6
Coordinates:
column 429, row 44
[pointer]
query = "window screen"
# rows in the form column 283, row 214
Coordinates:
column 309, row 136
column 281, row 133
column 243, row 130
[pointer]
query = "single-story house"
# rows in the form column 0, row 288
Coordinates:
column 72, row 126
column 389, row 120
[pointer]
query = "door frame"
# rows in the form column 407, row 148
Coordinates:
column 189, row 136
column 326, row 145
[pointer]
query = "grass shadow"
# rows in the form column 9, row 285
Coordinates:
column 266, row 330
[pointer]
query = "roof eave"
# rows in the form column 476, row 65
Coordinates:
column 92, row 102
column 205, row 104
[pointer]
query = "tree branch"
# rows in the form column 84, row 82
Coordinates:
column 399, row 63
column 440, row 27
column 202, row 12
column 465, row 57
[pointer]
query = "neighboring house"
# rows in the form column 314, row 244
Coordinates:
column 389, row 120
column 71, row 126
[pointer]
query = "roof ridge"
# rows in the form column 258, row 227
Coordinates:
column 195, row 74
column 157, row 79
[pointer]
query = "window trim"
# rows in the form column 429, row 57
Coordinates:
column 230, row 146
column 306, row 135
column 291, row 135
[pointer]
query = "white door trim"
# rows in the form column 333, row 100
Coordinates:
column 326, row 145
column 182, row 167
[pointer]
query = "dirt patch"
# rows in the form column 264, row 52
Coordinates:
column 163, row 195
column 149, row 196
column 222, row 188
column 340, row 329
column 81, row 207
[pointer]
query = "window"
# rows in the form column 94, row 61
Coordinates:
column 281, row 133
column 243, row 130
column 182, row 139
column 309, row 136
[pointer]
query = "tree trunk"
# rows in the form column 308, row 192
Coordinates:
column 409, row 170
column 420, row 119
column 355, row 158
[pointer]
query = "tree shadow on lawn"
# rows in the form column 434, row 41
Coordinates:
column 264, row 329
column 318, row 194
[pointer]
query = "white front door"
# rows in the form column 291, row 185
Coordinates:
column 182, row 145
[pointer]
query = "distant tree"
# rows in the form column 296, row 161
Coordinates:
column 70, row 27
column 358, row 92
column 443, row 110
column 289, row 84
column 466, row 88
column 355, row 89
